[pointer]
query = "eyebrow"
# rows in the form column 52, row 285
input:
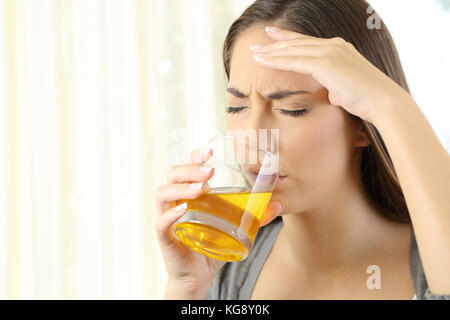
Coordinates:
column 272, row 96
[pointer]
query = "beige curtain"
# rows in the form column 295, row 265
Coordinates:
column 98, row 98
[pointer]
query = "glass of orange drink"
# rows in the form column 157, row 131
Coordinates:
column 223, row 221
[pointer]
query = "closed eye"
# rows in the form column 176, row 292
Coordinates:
column 293, row 113
column 235, row 109
column 289, row 113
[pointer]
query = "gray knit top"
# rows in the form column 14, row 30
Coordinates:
column 236, row 280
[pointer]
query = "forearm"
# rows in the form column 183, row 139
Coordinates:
column 423, row 167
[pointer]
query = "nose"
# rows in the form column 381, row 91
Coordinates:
column 260, row 116
column 258, row 127
column 261, row 127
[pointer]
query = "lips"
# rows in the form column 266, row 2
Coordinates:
column 256, row 173
column 280, row 177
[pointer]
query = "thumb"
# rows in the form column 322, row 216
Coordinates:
column 272, row 211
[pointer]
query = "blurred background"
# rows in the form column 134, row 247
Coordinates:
column 99, row 98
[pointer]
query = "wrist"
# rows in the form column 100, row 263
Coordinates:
column 390, row 107
column 185, row 290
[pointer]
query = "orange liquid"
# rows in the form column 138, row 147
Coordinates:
column 243, row 209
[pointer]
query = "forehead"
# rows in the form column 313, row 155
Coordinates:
column 248, row 76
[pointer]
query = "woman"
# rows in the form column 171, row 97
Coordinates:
column 367, row 178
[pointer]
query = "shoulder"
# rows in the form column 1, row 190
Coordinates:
column 418, row 275
column 235, row 280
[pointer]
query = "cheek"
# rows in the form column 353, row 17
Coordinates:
column 229, row 123
column 319, row 146
column 233, row 123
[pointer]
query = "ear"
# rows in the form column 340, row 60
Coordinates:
column 361, row 137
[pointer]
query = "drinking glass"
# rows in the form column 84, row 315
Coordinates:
column 223, row 221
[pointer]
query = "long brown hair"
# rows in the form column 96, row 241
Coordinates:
column 347, row 19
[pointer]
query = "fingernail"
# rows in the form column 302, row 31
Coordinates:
column 278, row 206
column 259, row 57
column 182, row 207
column 205, row 151
column 256, row 46
column 195, row 186
column 205, row 169
column 272, row 29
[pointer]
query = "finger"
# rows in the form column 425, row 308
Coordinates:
column 197, row 156
column 300, row 64
column 311, row 50
column 164, row 223
column 283, row 34
column 166, row 195
column 201, row 155
column 272, row 211
column 189, row 173
column 273, row 46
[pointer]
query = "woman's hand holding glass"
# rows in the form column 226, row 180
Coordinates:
column 189, row 273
